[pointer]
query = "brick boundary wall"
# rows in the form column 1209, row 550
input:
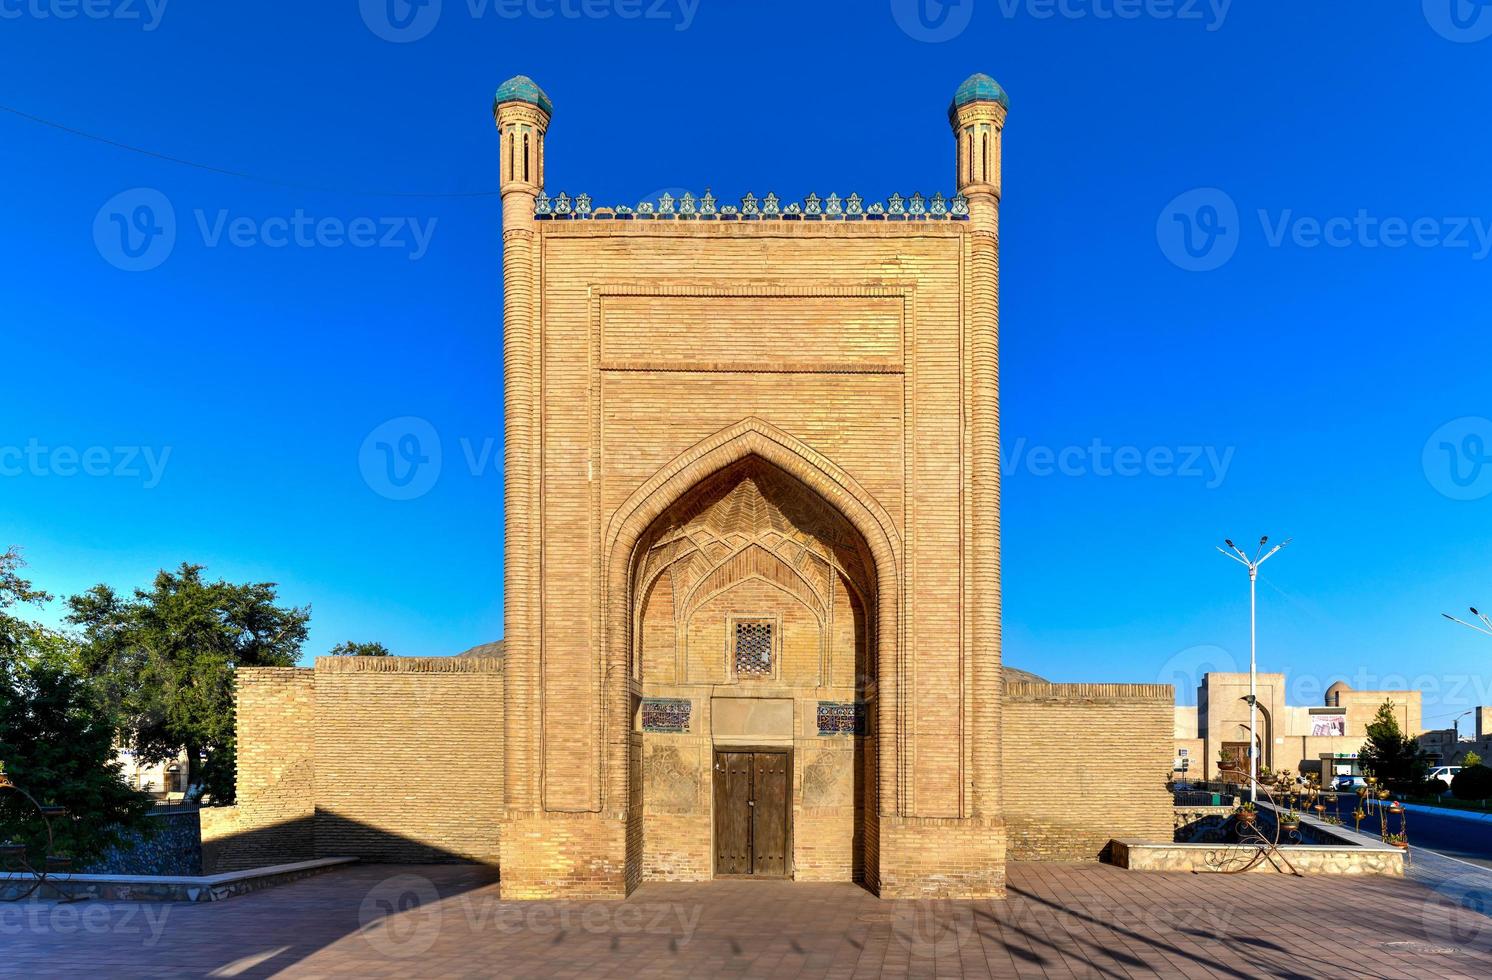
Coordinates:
column 1084, row 764
column 409, row 751
column 274, row 708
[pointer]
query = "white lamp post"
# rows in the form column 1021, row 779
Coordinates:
column 1485, row 628
column 1256, row 743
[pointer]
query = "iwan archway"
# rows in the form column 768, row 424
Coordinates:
column 756, row 612
column 752, row 508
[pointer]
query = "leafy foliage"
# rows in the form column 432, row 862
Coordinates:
column 57, row 742
column 1395, row 758
column 351, row 649
column 1472, row 783
column 1471, row 759
column 165, row 659
column 56, row 737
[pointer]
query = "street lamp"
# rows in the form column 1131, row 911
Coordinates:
column 1485, row 628
column 1252, row 564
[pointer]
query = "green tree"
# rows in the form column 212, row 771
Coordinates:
column 16, row 634
column 166, row 659
column 351, row 649
column 57, row 742
column 1389, row 754
column 1471, row 759
column 56, row 736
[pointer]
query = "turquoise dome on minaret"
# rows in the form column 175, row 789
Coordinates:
column 978, row 87
column 521, row 88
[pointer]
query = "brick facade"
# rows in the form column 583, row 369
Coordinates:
column 1084, row 764
column 786, row 422
column 790, row 420
column 384, row 758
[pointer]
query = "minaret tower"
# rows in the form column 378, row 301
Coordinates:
column 978, row 116
column 522, row 112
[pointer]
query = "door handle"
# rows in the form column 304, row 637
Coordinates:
column 751, row 803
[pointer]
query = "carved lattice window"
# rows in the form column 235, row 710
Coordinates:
column 753, row 648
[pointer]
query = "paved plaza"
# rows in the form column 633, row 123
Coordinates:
column 1059, row 921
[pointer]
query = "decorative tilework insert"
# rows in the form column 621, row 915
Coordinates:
column 669, row 715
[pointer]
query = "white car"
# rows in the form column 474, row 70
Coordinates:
column 1444, row 773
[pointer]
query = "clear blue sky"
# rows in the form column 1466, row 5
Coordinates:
column 1319, row 374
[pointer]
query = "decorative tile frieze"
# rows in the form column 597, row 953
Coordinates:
column 666, row 715
column 688, row 207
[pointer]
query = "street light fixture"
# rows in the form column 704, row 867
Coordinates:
column 1485, row 628
column 1252, row 564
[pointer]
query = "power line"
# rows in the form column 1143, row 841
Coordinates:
column 209, row 168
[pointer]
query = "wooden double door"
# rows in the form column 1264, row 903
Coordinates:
column 753, row 832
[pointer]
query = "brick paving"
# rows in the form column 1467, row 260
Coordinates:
column 1059, row 921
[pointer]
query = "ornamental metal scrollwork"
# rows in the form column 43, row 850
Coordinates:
column 13, row 859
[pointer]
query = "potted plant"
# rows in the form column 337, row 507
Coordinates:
column 5, row 781
column 1289, row 821
column 1400, row 841
column 1247, row 814
column 1357, row 818
column 1395, row 807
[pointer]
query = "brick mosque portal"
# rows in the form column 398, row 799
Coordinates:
column 751, row 573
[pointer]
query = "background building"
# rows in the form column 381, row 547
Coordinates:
column 1322, row 739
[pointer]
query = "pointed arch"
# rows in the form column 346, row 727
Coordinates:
column 749, row 438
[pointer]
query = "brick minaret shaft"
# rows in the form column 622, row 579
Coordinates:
column 977, row 127
column 522, row 119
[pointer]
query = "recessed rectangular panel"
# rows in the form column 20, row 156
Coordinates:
column 745, row 333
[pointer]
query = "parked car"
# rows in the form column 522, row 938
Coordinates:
column 1349, row 784
column 1445, row 774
